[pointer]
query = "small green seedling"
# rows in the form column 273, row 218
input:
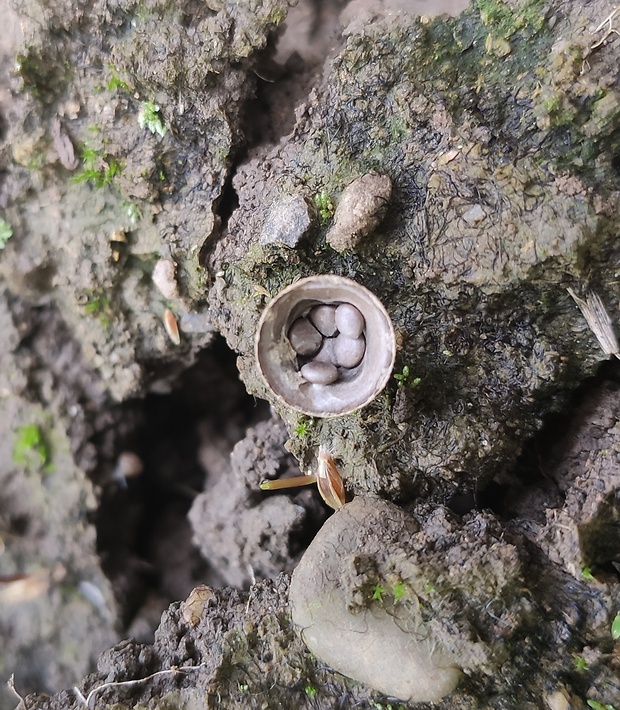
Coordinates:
column 30, row 449
column 115, row 83
column 310, row 691
column 400, row 591
column 324, row 205
column 580, row 663
column 149, row 117
column 615, row 627
column 595, row 705
column 586, row 573
column 303, row 427
column 98, row 306
column 404, row 378
column 378, row 592
column 6, row 232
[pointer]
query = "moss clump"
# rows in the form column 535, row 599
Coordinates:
column 99, row 168
column 31, row 450
column 505, row 20
column 97, row 304
column 324, row 205
column 6, row 232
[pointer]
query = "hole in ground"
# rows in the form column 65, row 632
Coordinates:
column 144, row 536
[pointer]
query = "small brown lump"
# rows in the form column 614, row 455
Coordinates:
column 361, row 209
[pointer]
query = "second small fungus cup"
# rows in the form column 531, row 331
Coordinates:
column 280, row 364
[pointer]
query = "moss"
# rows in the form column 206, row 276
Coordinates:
column 115, row 83
column 150, row 118
column 324, row 205
column 6, row 232
column 98, row 305
column 45, row 77
column 98, row 167
column 31, row 449
column 505, row 20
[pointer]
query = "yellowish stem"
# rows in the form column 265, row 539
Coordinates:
column 292, row 482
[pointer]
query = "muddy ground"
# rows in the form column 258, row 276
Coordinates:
column 150, row 156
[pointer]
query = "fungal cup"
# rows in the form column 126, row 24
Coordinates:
column 279, row 363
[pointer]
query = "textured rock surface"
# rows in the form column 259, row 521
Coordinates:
column 494, row 204
column 247, row 535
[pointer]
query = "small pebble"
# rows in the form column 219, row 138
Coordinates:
column 324, row 319
column 164, row 277
column 319, row 373
column 326, row 353
column 349, row 320
column 305, row 339
column 349, row 351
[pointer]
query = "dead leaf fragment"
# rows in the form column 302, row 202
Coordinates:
column 193, row 607
column 598, row 321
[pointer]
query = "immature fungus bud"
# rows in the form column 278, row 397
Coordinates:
column 327, row 478
column 193, row 608
column 164, row 277
column 352, row 362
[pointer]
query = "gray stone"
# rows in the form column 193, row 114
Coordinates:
column 389, row 649
column 287, row 222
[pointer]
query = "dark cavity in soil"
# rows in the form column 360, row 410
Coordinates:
column 144, row 537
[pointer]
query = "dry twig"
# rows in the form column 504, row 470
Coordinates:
column 598, row 321
column 87, row 701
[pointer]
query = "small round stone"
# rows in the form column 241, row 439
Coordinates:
column 349, row 320
column 349, row 351
column 305, row 339
column 324, row 319
column 326, row 353
column 319, row 373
